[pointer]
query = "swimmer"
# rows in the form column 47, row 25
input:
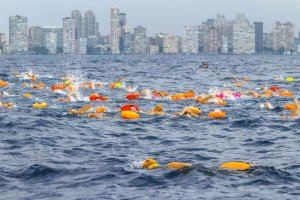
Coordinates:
column 157, row 110
column 65, row 100
column 80, row 111
column 205, row 65
column 190, row 111
column 159, row 94
column 7, row 105
column 253, row 94
column 267, row 105
column 151, row 164
column 38, row 86
column 203, row 98
column 95, row 115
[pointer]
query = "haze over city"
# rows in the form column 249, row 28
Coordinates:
column 157, row 16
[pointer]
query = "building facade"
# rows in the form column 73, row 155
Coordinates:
column 51, row 43
column 69, row 36
column 139, row 40
column 213, row 43
column 90, row 24
column 170, row 44
column 259, row 37
column 127, row 41
column 81, row 47
column 76, row 14
column 18, row 34
column 35, row 36
column 243, row 36
column 115, row 30
column 122, row 25
column 283, row 36
column 59, row 34
column 190, row 40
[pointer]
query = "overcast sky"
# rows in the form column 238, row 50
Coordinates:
column 156, row 15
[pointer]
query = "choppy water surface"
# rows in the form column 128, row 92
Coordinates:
column 46, row 154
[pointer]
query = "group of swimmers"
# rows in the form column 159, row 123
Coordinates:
column 70, row 92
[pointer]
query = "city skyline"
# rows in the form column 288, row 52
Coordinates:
column 148, row 14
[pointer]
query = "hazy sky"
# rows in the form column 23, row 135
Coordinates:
column 156, row 15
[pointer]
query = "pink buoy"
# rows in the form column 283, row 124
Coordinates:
column 236, row 94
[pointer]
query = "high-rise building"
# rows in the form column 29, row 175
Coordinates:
column 3, row 40
column 225, row 31
column 190, row 40
column 18, row 34
column 90, row 24
column 267, row 41
column 152, row 49
column 203, row 38
column 259, row 31
column 59, row 35
column 127, row 41
column 122, row 23
column 51, row 43
column 283, row 36
column 81, row 46
column 76, row 14
column 170, row 44
column 69, row 36
column 139, row 40
column 224, row 45
column 243, row 36
column 35, row 36
column 115, row 30
column 213, row 41
column 159, row 41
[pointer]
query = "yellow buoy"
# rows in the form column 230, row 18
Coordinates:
column 118, row 85
column 129, row 115
column 235, row 166
column 40, row 105
column 290, row 79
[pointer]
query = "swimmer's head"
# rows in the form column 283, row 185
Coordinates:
column 158, row 108
column 149, row 163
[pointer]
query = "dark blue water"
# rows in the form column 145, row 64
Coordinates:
column 46, row 154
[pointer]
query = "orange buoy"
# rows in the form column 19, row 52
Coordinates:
column 27, row 95
column 290, row 106
column 130, row 107
column 3, row 83
column 133, row 96
column 217, row 114
column 178, row 165
column 129, row 115
column 235, row 166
